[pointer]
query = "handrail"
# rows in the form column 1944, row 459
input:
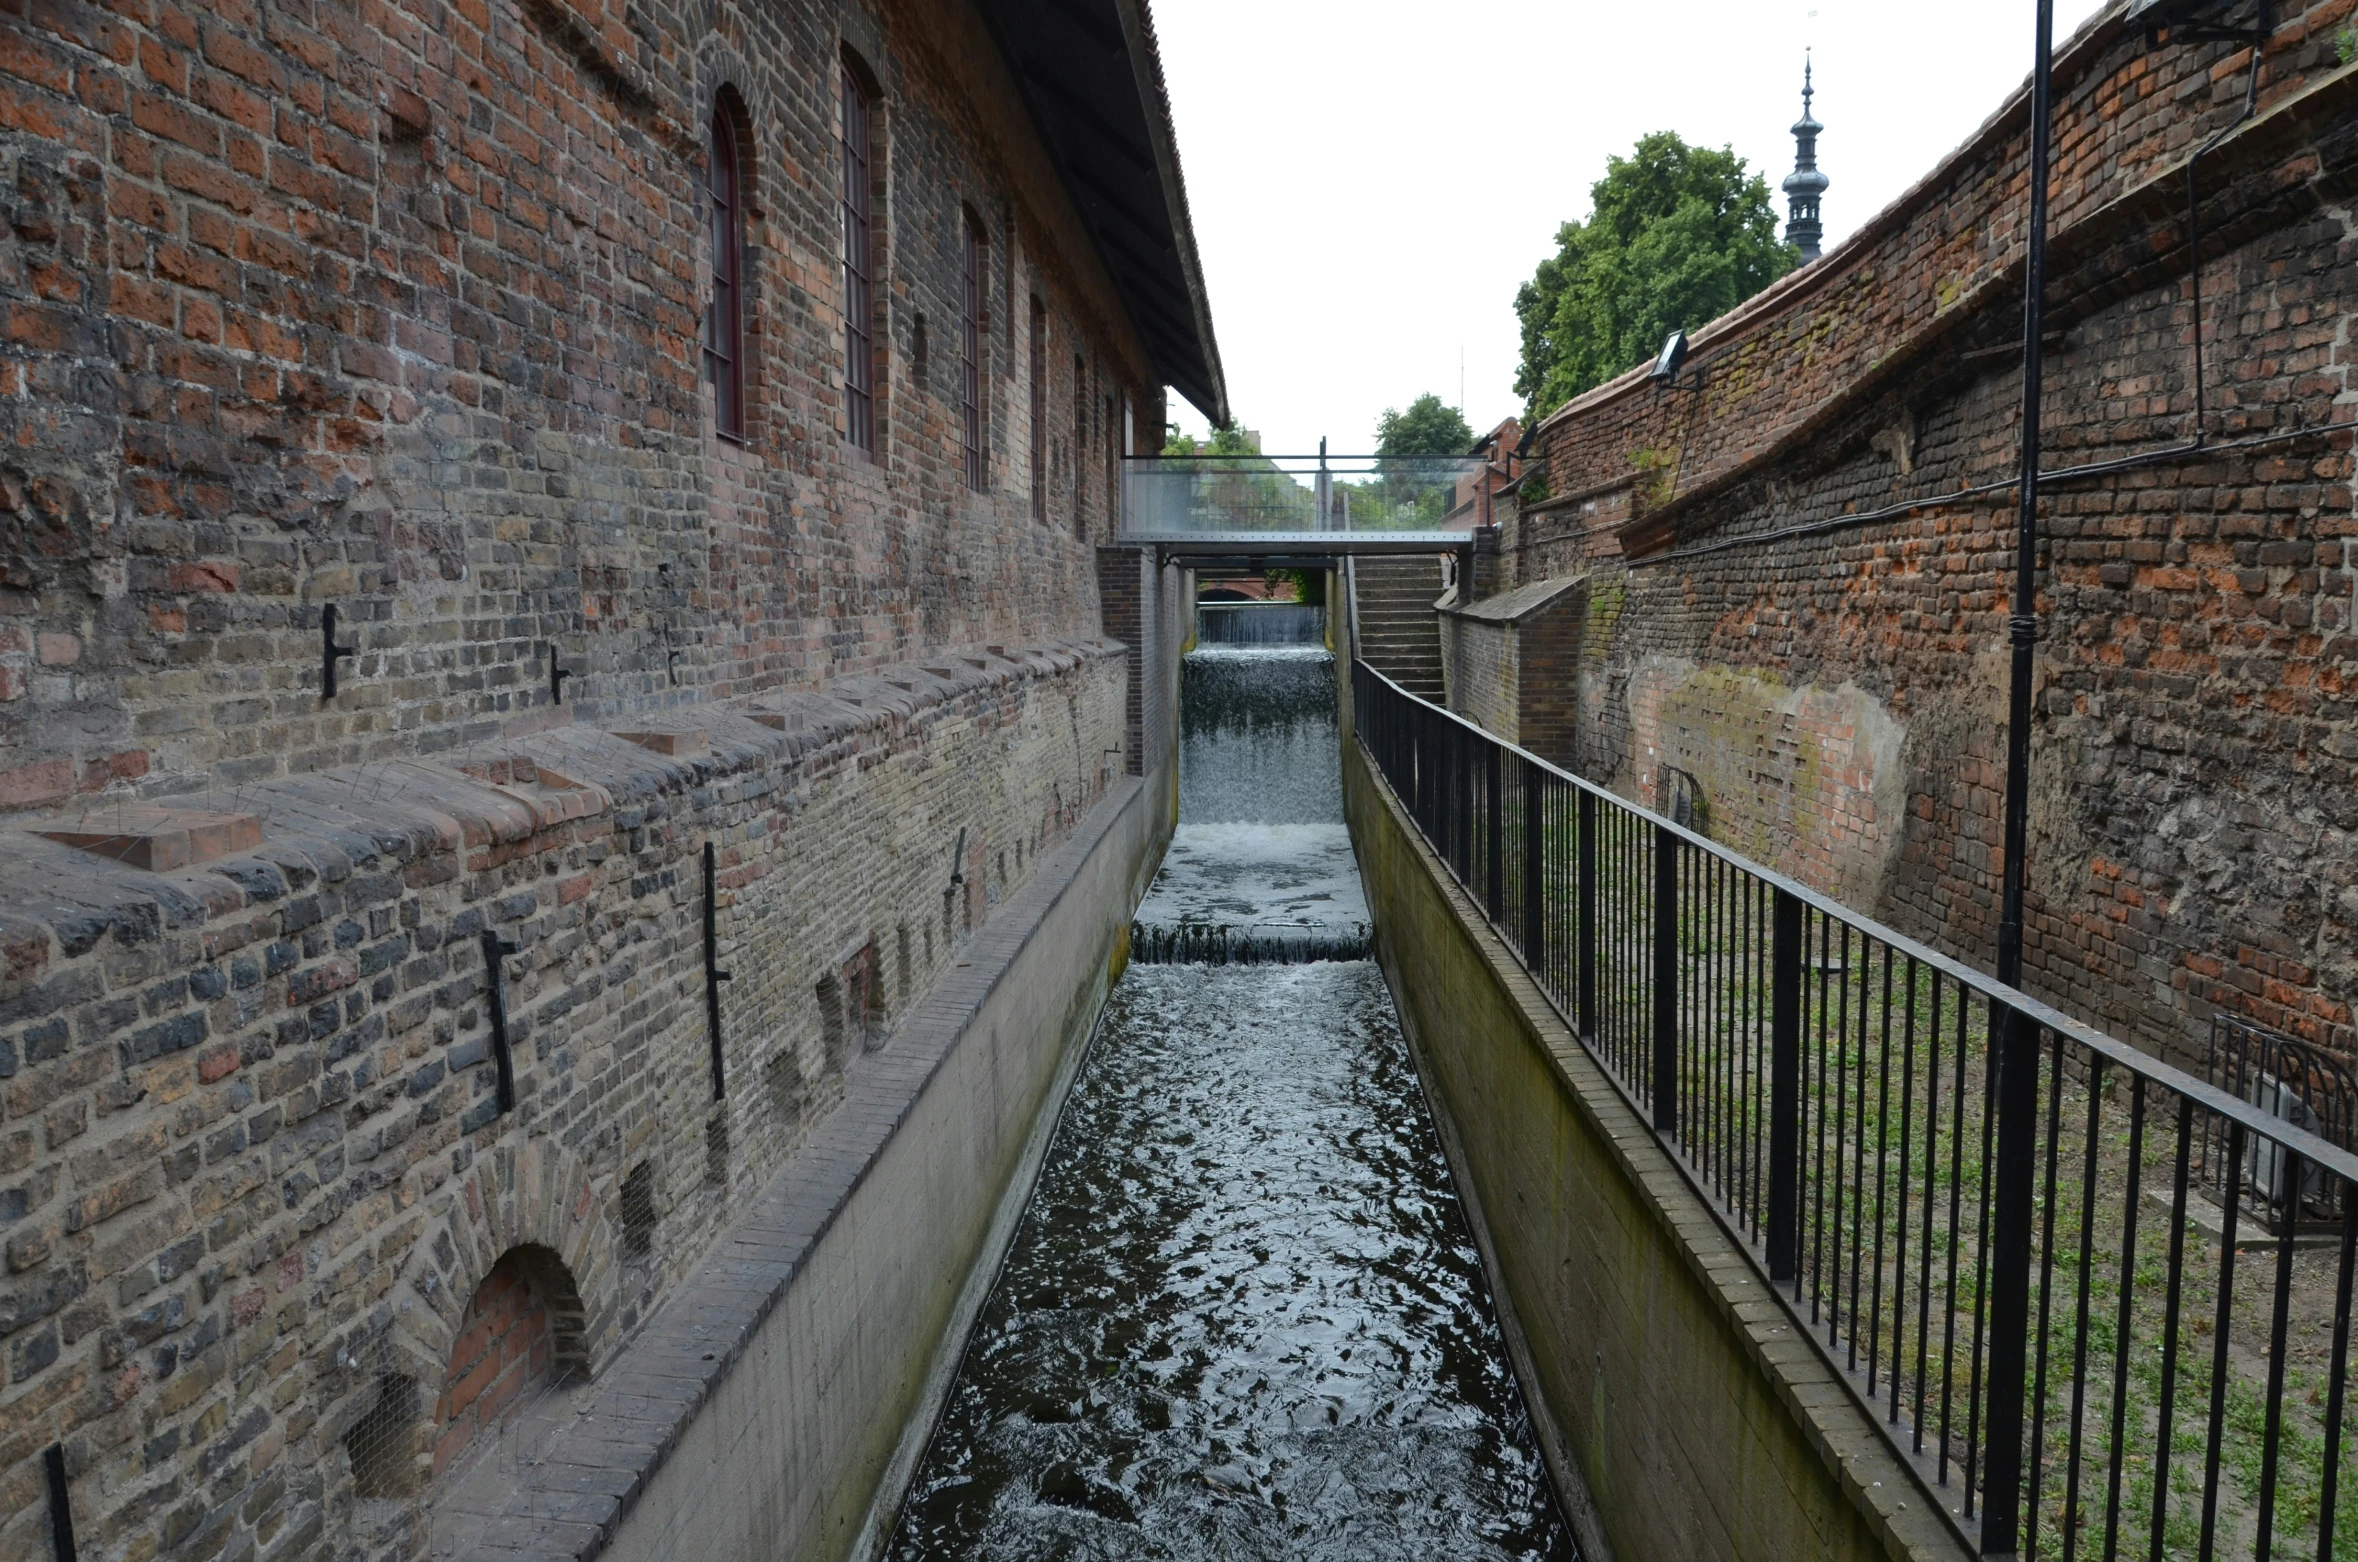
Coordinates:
column 2320, row 1152
column 1768, row 1032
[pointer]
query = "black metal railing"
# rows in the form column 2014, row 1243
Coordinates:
column 1988, row 1216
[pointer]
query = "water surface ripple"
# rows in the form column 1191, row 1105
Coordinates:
column 1243, row 1316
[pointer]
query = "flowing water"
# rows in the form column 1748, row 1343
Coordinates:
column 1243, row 1316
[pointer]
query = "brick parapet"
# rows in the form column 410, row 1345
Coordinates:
column 251, row 1157
column 1939, row 272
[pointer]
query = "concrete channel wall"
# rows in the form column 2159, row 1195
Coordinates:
column 1682, row 1415
column 798, row 1448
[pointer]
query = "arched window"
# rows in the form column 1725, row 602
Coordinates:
column 724, row 335
column 1080, row 446
column 972, row 329
column 859, row 353
column 1039, row 368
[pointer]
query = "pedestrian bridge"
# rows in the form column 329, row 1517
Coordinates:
column 1252, row 513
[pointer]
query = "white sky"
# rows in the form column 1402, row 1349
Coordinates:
column 1371, row 180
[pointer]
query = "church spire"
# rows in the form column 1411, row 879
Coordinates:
column 1805, row 184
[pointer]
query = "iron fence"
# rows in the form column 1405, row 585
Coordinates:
column 1989, row 1217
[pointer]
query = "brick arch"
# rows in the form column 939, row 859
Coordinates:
column 535, row 1196
column 725, row 81
column 521, row 1332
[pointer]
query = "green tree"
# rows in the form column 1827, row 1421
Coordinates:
column 1679, row 235
column 1228, row 441
column 1428, row 428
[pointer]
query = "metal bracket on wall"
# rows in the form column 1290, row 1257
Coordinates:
column 557, row 677
column 495, row 949
column 330, row 652
column 61, row 1512
column 713, row 974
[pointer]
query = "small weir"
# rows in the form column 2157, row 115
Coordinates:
column 1243, row 1315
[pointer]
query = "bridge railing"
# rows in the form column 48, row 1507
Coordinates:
column 2085, row 1292
column 1167, row 496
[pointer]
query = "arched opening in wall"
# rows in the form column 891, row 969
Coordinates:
column 521, row 1339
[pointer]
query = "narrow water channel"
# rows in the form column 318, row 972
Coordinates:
column 1243, row 1316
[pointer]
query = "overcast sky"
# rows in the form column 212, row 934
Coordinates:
column 1372, row 180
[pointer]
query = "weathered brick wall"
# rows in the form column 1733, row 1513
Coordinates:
column 1479, row 673
column 399, row 308
column 255, row 1167
column 1839, row 681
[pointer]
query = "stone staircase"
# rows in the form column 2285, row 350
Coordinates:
column 1399, row 634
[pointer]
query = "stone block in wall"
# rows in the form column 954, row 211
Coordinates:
column 159, row 839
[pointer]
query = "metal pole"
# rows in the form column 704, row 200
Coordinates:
column 1587, row 948
column 2017, row 1060
column 1534, row 865
column 1493, row 839
column 1784, row 1152
column 2022, row 628
column 1665, row 981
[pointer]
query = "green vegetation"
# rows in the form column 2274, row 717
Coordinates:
column 1229, row 441
column 1679, row 235
column 1429, row 427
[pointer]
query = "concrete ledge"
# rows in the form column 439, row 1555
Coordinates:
column 1672, row 1392
column 755, row 1416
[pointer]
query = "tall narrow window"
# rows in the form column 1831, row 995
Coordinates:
column 972, row 325
column 1080, row 446
column 1039, row 411
column 724, row 332
column 859, row 354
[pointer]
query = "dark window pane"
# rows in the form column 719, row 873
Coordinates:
column 859, row 357
column 724, row 336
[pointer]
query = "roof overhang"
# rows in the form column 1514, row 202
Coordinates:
column 1093, row 79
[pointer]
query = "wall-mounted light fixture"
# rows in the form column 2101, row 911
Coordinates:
column 2202, row 19
column 1670, row 361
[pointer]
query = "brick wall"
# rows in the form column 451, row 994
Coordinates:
column 256, row 1163
column 399, row 309
column 1775, row 607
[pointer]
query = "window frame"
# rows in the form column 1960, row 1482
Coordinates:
column 1039, row 400
column 974, row 329
column 856, row 124
column 724, row 334
column 1080, row 446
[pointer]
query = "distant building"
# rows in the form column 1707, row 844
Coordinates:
column 1805, row 184
column 1474, row 502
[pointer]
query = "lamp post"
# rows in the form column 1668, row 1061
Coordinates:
column 2022, row 626
column 2017, row 1046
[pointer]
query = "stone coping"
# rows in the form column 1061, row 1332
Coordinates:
column 600, row 1444
column 64, row 899
column 1523, row 602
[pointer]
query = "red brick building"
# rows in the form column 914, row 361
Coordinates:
column 1796, row 575
column 701, row 422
